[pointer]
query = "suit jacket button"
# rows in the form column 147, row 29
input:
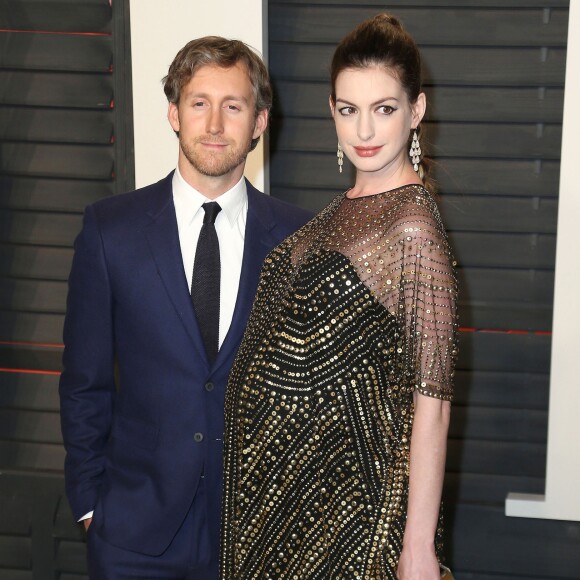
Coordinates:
column 209, row 387
column 198, row 437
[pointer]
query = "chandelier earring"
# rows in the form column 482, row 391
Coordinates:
column 339, row 158
column 415, row 151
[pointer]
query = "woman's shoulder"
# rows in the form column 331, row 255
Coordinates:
column 413, row 215
column 389, row 208
column 414, row 199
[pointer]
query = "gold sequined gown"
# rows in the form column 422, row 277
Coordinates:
column 353, row 313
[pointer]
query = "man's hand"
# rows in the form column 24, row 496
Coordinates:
column 87, row 523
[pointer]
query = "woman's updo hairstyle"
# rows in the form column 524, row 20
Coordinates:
column 382, row 41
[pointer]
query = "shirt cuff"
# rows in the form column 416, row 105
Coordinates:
column 86, row 516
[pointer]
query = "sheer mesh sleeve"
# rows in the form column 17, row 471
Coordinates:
column 399, row 248
column 424, row 300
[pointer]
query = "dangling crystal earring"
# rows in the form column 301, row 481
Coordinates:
column 339, row 158
column 415, row 151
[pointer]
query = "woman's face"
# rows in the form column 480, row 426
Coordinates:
column 374, row 118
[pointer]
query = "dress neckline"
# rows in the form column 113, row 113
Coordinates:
column 381, row 193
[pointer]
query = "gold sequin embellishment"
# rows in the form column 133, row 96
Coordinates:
column 353, row 313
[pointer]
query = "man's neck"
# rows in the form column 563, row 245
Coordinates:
column 210, row 187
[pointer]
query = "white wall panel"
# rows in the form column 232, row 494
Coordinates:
column 158, row 31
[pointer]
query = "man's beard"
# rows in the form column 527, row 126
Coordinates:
column 210, row 164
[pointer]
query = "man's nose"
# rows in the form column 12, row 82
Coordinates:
column 215, row 122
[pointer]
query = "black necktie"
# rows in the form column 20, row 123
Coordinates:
column 205, row 282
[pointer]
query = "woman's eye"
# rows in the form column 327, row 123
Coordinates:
column 386, row 109
column 345, row 111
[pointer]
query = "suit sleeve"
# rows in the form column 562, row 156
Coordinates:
column 87, row 384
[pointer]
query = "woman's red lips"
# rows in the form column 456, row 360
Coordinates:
column 367, row 151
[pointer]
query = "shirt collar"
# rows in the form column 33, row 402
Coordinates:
column 188, row 200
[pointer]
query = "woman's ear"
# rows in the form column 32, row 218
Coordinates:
column 418, row 110
column 331, row 105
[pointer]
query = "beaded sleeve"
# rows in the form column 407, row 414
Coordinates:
column 400, row 251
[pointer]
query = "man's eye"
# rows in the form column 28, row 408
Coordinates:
column 233, row 108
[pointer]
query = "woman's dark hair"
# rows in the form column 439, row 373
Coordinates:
column 382, row 41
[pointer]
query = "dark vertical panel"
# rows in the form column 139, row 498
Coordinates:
column 66, row 140
column 494, row 78
column 124, row 175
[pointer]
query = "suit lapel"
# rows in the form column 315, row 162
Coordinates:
column 163, row 238
column 258, row 242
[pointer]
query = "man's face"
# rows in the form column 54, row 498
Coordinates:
column 216, row 122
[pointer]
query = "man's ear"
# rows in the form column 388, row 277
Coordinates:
column 173, row 116
column 260, row 123
column 418, row 110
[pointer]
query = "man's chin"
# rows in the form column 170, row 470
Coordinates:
column 216, row 169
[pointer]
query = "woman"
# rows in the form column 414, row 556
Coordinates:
column 338, row 404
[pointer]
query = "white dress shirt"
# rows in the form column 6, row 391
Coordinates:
column 230, row 225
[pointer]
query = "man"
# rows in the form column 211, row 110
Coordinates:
column 160, row 289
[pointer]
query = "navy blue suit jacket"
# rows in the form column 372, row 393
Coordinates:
column 141, row 407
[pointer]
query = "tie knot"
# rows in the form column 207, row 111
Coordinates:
column 211, row 209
